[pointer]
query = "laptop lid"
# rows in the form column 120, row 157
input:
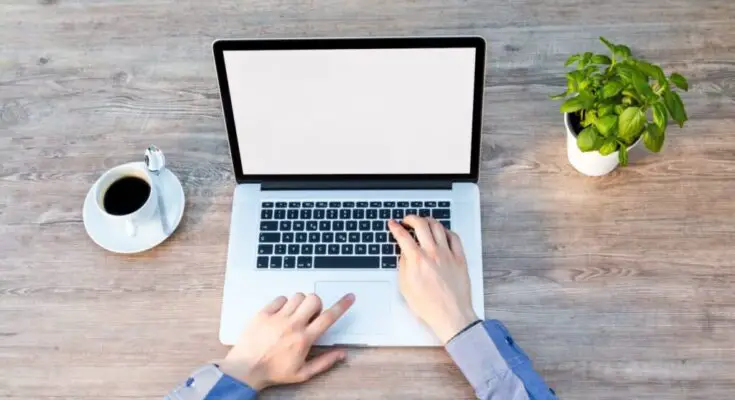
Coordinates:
column 345, row 110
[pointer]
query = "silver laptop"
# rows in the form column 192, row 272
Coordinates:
column 329, row 139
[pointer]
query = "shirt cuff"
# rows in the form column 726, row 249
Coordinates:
column 229, row 388
column 208, row 383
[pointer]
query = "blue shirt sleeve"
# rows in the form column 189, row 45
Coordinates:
column 228, row 388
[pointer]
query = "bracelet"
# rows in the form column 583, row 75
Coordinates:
column 465, row 329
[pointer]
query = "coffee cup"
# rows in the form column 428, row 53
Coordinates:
column 127, row 197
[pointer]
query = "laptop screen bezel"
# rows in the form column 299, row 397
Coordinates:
column 476, row 42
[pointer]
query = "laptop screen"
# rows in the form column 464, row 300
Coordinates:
column 353, row 111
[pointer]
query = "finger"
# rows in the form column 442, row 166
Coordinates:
column 423, row 232
column 311, row 306
column 275, row 305
column 319, row 364
column 293, row 303
column 455, row 244
column 439, row 233
column 329, row 316
column 404, row 239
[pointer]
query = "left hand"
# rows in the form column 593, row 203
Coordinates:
column 273, row 348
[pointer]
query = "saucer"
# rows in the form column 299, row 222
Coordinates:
column 150, row 233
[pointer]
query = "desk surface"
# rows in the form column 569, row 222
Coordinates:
column 618, row 287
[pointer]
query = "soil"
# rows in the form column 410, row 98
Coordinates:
column 575, row 121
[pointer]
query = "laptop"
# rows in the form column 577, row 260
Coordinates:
column 329, row 139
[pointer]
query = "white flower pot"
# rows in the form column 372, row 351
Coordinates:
column 590, row 163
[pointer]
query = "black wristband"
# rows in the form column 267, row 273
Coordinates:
column 465, row 329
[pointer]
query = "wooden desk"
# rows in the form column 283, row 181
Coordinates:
column 619, row 287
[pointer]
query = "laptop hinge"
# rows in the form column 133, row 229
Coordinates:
column 358, row 185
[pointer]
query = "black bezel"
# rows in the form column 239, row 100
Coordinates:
column 476, row 42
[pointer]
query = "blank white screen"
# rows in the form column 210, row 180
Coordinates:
column 366, row 111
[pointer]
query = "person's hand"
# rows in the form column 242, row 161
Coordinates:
column 273, row 348
column 432, row 275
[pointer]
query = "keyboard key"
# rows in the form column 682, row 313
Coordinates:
column 321, row 204
column 312, row 225
column 305, row 214
column 314, row 237
column 269, row 226
column 281, row 204
column 298, row 225
column 266, row 214
column 332, row 214
column 389, row 204
column 334, row 204
column 397, row 249
column 411, row 211
column 262, row 262
column 264, row 249
column 293, row 214
column 289, row 262
column 293, row 249
column 444, row 204
column 319, row 214
column 280, row 249
column 417, row 204
column 386, row 249
column 381, row 237
column 446, row 223
column 440, row 213
column 388, row 262
column 327, row 237
column 307, row 249
column 358, row 214
column 384, row 213
column 287, row 237
column 374, row 249
column 362, row 204
column 301, row 237
column 346, row 249
column 345, row 213
column 307, row 204
column 403, row 204
column 348, row 204
column 279, row 214
column 353, row 237
column 347, row 262
column 267, row 204
column 367, row 237
column 424, row 212
column 320, row 249
column 372, row 214
column 325, row 225
column 375, row 204
column 391, row 238
column 398, row 213
column 275, row 262
column 351, row 226
column 429, row 204
column 360, row 249
column 338, row 226
column 333, row 249
column 378, row 225
column 303, row 262
column 284, row 225
column 294, row 204
column 364, row 225
column 341, row 237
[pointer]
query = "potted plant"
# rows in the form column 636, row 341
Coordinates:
column 614, row 102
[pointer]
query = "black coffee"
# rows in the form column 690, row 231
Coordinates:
column 126, row 195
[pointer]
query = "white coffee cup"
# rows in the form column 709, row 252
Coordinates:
column 144, row 213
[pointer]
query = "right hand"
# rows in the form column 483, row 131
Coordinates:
column 432, row 275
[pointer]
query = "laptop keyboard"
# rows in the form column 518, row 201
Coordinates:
column 336, row 234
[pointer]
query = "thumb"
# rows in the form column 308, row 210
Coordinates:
column 319, row 364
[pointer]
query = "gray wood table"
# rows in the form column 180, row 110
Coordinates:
column 621, row 287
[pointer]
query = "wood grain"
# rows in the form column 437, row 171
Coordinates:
column 621, row 287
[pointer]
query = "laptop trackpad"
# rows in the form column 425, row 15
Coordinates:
column 370, row 314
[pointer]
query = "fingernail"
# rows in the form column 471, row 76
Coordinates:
column 350, row 297
column 342, row 356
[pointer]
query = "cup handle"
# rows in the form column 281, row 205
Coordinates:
column 130, row 228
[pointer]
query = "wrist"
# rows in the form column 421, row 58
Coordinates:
column 245, row 374
column 454, row 324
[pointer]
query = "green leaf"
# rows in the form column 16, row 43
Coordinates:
column 590, row 117
column 630, row 124
column 608, row 44
column 653, row 138
column 654, row 71
column 640, row 82
column 571, row 105
column 609, row 147
column 575, row 77
column 660, row 117
column 622, row 52
column 676, row 107
column 619, row 108
column 611, row 89
column 558, row 96
column 572, row 59
column 601, row 59
column 587, row 139
column 586, row 98
column 623, row 156
column 605, row 125
column 679, row 81
column 605, row 110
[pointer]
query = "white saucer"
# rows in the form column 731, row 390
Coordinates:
column 149, row 234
